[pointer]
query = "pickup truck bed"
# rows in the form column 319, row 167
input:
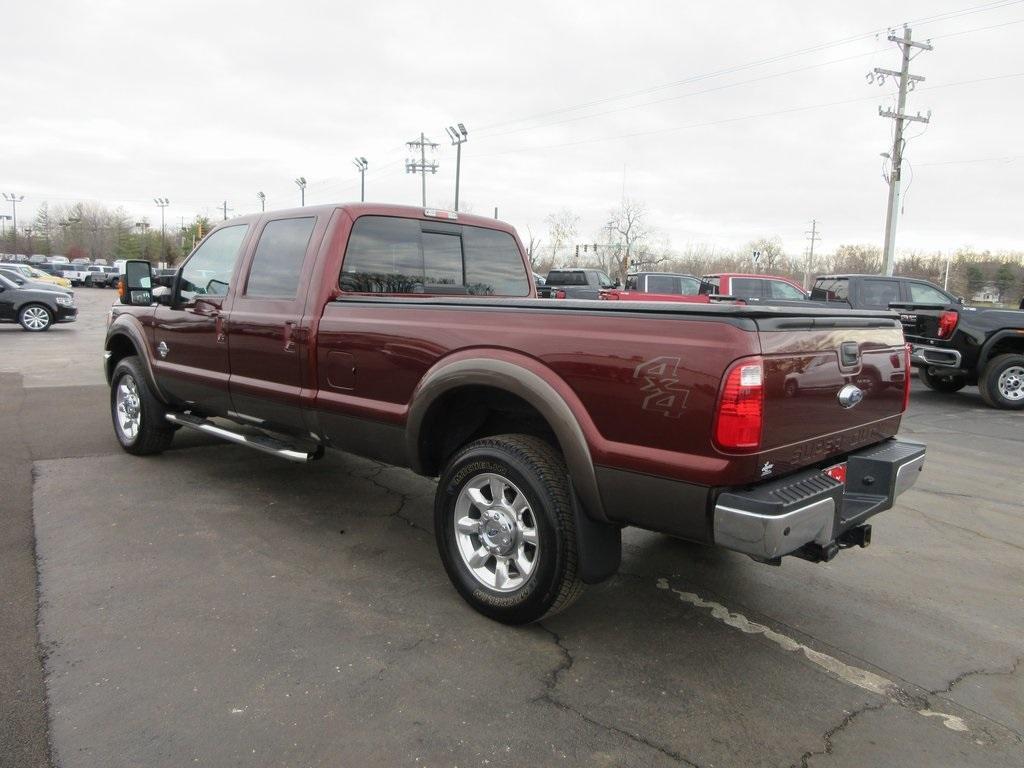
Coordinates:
column 551, row 424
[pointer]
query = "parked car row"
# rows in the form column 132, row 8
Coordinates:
column 952, row 345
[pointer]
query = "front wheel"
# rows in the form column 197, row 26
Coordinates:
column 505, row 529
column 139, row 418
column 1002, row 382
column 35, row 317
column 941, row 383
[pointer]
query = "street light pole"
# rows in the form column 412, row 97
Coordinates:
column 263, row 200
column 163, row 202
column 361, row 165
column 458, row 138
column 301, row 183
column 14, row 199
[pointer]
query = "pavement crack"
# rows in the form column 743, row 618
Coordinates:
column 829, row 735
column 976, row 672
column 403, row 500
column 551, row 683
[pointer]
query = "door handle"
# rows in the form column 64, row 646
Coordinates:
column 218, row 325
column 289, row 342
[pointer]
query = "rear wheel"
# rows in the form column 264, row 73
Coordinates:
column 505, row 529
column 1002, row 382
column 35, row 317
column 941, row 382
column 139, row 423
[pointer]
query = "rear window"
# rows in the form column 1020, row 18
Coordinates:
column 746, row 287
column 878, row 294
column 709, row 285
column 393, row 255
column 277, row 264
column 567, row 278
column 662, row 284
column 831, row 289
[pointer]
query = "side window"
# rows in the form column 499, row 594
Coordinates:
column 383, row 256
column 878, row 294
column 781, row 290
column 746, row 287
column 603, row 281
column 277, row 264
column 689, row 286
column 662, row 284
column 208, row 270
column 391, row 255
column 925, row 294
column 494, row 266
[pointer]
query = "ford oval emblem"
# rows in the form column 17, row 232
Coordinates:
column 850, row 395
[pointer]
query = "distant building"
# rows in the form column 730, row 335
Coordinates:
column 987, row 295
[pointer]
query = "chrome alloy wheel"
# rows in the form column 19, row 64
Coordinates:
column 128, row 408
column 36, row 318
column 1011, row 383
column 496, row 532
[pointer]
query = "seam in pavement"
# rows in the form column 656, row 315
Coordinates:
column 548, row 697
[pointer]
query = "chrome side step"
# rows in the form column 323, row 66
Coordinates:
column 260, row 442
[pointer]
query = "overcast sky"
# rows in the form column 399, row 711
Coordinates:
column 120, row 102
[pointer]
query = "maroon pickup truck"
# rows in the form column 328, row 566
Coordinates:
column 415, row 337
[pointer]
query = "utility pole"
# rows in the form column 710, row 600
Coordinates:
column 163, row 202
column 301, row 184
column 458, row 138
column 421, row 167
column 263, row 200
column 813, row 235
column 224, row 205
column 4, row 218
column 14, row 199
column 907, row 82
column 361, row 165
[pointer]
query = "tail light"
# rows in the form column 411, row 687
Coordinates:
column 906, row 376
column 120, row 288
column 741, row 407
column 559, row 294
column 947, row 323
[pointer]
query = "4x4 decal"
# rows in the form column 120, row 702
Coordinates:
column 661, row 386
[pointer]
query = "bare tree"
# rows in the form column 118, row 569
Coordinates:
column 628, row 226
column 562, row 228
column 533, row 248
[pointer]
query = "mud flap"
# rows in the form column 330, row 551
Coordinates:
column 599, row 544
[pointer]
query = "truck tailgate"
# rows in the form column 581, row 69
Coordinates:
column 807, row 364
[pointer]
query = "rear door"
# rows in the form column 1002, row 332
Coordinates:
column 269, row 340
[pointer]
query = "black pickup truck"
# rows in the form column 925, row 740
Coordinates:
column 953, row 346
column 575, row 284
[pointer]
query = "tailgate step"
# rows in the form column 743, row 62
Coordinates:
column 263, row 443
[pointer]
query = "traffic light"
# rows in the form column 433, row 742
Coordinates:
column 584, row 247
column 577, row 251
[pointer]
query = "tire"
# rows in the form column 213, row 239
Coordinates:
column 535, row 505
column 139, row 423
column 89, row 283
column 35, row 318
column 940, row 383
column 1002, row 382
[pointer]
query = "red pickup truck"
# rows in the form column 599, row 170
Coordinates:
column 415, row 337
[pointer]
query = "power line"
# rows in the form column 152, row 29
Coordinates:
column 751, row 64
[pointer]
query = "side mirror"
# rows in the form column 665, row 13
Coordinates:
column 961, row 299
column 136, row 283
column 616, row 284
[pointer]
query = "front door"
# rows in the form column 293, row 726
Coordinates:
column 269, row 341
column 189, row 337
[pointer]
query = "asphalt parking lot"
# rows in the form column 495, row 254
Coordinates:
column 215, row 606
